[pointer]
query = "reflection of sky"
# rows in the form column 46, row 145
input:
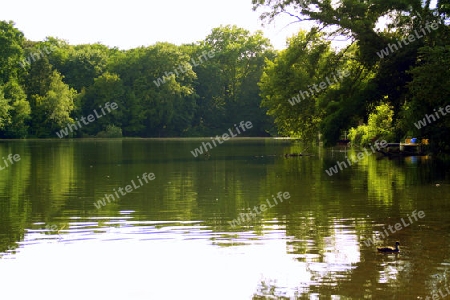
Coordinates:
column 160, row 260
column 339, row 255
column 341, row 249
column 389, row 272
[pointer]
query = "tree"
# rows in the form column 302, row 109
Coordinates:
column 81, row 64
column 429, row 91
column 38, row 79
column 53, row 110
column 11, row 49
column 355, row 19
column 287, row 84
column 106, row 88
column 158, row 83
column 379, row 59
column 348, row 104
column 379, row 126
column 19, row 111
column 227, row 83
column 5, row 117
column 14, row 108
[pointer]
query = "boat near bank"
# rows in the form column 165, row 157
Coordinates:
column 411, row 147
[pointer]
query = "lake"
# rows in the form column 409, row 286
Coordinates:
column 244, row 222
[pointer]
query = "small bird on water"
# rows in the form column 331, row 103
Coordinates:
column 389, row 249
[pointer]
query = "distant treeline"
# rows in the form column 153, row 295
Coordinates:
column 51, row 89
column 391, row 75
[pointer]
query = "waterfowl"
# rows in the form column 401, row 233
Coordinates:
column 389, row 249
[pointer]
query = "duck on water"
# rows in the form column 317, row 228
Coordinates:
column 390, row 249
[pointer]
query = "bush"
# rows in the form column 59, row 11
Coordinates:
column 379, row 126
column 358, row 135
column 111, row 132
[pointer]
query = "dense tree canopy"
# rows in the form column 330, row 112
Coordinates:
column 398, row 57
column 160, row 90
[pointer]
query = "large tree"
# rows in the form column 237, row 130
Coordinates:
column 429, row 94
column 356, row 19
column 107, row 88
column 382, row 60
column 159, row 89
column 52, row 110
column 287, row 84
column 18, row 111
column 79, row 64
column 11, row 51
column 227, row 82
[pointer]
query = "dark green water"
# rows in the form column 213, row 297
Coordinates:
column 171, row 237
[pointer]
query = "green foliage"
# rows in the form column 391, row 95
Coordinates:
column 345, row 105
column 379, row 126
column 56, row 84
column 359, row 135
column 5, row 117
column 444, row 7
column 429, row 90
column 306, row 61
column 353, row 18
column 107, row 88
column 11, row 50
column 412, row 77
column 81, row 64
column 227, row 85
column 152, row 110
column 19, row 112
column 111, row 131
column 53, row 110
column 167, row 90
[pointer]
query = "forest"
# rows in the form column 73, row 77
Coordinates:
column 391, row 81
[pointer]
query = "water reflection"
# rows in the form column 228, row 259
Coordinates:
column 192, row 249
column 173, row 240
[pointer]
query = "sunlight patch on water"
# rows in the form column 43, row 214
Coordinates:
column 159, row 260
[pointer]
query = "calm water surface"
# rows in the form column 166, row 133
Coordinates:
column 172, row 238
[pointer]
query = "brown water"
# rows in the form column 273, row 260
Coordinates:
column 171, row 237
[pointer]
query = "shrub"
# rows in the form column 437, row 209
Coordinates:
column 379, row 126
column 111, row 132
